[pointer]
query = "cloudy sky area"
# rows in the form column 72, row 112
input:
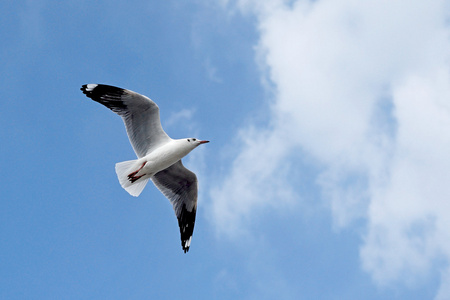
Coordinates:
column 326, row 178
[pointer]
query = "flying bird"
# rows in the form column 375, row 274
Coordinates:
column 159, row 156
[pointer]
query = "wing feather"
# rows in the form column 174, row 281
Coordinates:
column 139, row 113
column 180, row 186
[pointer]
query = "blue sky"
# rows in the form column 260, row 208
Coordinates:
column 327, row 172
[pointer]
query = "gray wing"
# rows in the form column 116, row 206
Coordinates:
column 139, row 113
column 180, row 186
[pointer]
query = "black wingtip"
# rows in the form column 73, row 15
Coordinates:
column 88, row 89
column 83, row 88
column 108, row 95
column 186, row 221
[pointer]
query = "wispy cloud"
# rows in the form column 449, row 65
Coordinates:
column 257, row 178
column 182, row 116
column 363, row 88
column 211, row 71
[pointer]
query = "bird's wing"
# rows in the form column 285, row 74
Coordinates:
column 180, row 186
column 139, row 113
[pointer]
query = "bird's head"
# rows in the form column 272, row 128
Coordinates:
column 193, row 142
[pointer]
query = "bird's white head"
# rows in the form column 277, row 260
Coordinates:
column 193, row 142
column 189, row 144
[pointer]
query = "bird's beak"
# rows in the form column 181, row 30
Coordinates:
column 203, row 142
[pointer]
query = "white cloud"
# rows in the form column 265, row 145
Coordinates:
column 363, row 87
column 182, row 116
column 211, row 71
column 257, row 178
column 408, row 217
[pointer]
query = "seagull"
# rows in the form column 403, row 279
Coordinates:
column 159, row 156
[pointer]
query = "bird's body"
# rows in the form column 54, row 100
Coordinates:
column 165, row 156
column 132, row 172
column 159, row 156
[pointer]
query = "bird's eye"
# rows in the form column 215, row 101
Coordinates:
column 194, row 140
column 189, row 140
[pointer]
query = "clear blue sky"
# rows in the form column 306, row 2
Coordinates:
column 327, row 172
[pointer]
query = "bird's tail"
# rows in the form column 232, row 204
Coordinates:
column 132, row 185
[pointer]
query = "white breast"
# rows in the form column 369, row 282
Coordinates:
column 164, row 156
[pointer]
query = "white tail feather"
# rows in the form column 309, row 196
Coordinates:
column 123, row 169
